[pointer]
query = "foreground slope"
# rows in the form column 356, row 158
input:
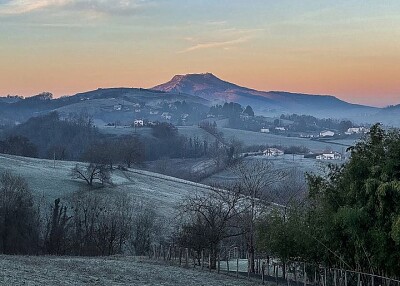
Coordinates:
column 22, row 270
column 49, row 182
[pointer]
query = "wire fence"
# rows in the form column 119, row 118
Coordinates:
column 267, row 269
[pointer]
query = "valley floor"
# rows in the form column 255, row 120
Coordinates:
column 49, row 270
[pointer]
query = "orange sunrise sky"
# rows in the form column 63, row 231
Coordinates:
column 350, row 49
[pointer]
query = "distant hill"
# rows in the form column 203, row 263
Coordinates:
column 105, row 104
column 216, row 90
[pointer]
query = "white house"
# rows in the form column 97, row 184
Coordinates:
column 329, row 156
column 273, row 152
column 355, row 130
column 280, row 128
column 326, row 133
column 166, row 116
column 152, row 112
column 264, row 130
column 118, row 107
column 138, row 123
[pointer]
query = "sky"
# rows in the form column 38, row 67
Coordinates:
column 346, row 48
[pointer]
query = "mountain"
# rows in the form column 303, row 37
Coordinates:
column 216, row 90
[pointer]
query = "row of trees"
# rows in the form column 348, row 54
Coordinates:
column 228, row 214
column 86, row 223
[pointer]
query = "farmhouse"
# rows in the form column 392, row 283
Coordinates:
column 118, row 107
column 355, row 130
column 138, row 123
column 329, row 156
column 273, row 152
column 280, row 128
column 264, row 130
column 326, row 133
column 166, row 116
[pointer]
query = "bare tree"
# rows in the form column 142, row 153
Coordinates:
column 213, row 216
column 144, row 228
column 57, row 231
column 19, row 229
column 256, row 178
column 101, row 223
column 92, row 173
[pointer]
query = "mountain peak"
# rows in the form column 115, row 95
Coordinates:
column 195, row 82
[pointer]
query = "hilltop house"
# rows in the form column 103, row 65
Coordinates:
column 264, row 130
column 273, row 152
column 326, row 133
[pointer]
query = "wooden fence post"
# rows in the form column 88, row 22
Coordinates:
column 358, row 280
column 345, row 278
column 237, row 266
column 325, row 277
column 335, row 276
column 202, row 259
column 186, row 257
column 218, row 265
column 180, row 256
column 263, row 273
column 305, row 274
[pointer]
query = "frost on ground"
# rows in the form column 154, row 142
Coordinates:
column 47, row 270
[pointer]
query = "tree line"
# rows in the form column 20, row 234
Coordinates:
column 88, row 222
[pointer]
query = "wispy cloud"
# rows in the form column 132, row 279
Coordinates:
column 91, row 6
column 231, row 37
column 221, row 44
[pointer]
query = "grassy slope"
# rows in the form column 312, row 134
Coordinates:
column 22, row 270
column 50, row 183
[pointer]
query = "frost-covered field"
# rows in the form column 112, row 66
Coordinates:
column 48, row 182
column 258, row 138
column 47, row 270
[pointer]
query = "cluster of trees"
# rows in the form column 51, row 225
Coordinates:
column 307, row 123
column 18, row 145
column 86, row 223
column 227, row 215
column 53, row 137
column 351, row 216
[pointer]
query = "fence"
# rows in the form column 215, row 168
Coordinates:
column 268, row 269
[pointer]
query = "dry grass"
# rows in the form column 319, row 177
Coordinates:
column 48, row 270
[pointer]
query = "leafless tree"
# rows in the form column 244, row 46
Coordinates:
column 257, row 178
column 145, row 228
column 92, row 173
column 19, row 229
column 213, row 216
column 101, row 223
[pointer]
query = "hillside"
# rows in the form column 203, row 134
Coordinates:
column 216, row 90
column 162, row 191
column 108, row 104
